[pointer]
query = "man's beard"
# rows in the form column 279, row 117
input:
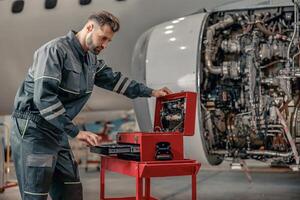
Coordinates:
column 90, row 45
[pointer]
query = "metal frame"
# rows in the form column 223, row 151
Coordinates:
column 146, row 170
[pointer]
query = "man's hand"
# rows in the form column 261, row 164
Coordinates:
column 161, row 92
column 91, row 139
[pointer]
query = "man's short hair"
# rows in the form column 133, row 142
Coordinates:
column 105, row 17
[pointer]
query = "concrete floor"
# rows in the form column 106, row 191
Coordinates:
column 212, row 185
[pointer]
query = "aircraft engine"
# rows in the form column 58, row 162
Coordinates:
column 244, row 65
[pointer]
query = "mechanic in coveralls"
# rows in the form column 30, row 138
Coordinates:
column 58, row 84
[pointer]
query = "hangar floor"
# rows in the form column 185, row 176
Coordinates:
column 212, row 185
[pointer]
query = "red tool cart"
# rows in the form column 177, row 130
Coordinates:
column 154, row 154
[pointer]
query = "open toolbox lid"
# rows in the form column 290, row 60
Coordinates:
column 176, row 113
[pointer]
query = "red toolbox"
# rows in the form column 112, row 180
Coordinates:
column 174, row 118
column 158, row 153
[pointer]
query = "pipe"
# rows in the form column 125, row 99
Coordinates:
column 289, row 137
column 269, row 153
column 256, row 152
column 296, row 31
column 263, row 29
column 228, row 21
column 271, row 63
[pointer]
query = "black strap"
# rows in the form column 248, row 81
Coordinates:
column 27, row 115
column 35, row 118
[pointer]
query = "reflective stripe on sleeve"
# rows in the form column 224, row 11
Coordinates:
column 117, row 86
column 125, row 86
column 56, row 114
column 50, row 108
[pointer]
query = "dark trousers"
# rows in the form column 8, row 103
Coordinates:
column 44, row 162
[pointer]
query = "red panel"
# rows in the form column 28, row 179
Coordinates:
column 163, row 169
column 121, row 166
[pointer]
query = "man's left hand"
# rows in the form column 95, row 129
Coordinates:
column 161, row 92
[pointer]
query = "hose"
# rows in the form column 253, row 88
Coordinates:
column 211, row 31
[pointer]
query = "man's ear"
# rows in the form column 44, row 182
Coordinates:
column 90, row 27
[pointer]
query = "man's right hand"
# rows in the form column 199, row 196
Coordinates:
column 161, row 92
column 91, row 139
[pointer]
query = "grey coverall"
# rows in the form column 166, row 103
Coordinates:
column 58, row 84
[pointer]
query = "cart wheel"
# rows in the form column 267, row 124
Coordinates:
column 2, row 190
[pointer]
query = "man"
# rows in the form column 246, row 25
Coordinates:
column 57, row 86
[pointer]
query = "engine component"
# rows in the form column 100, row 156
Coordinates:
column 251, row 84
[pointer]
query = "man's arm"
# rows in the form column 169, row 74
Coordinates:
column 115, row 81
column 47, row 65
